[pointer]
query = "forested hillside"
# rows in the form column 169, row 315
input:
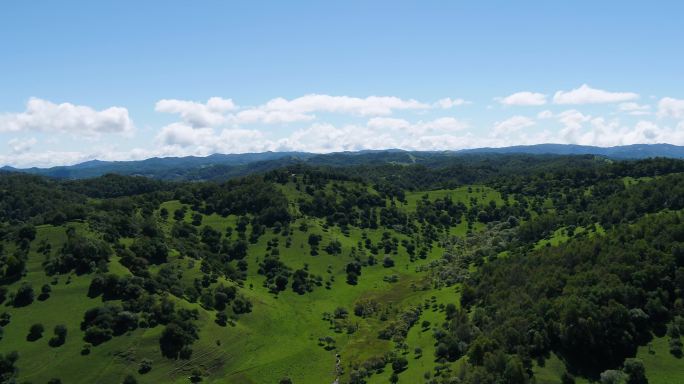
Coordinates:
column 219, row 167
column 495, row 269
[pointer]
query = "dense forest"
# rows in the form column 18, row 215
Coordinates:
column 483, row 269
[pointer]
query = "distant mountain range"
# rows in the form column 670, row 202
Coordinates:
column 221, row 166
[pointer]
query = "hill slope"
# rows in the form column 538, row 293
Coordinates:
column 570, row 267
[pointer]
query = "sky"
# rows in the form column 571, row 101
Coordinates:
column 127, row 80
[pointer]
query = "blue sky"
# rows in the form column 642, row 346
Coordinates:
column 120, row 80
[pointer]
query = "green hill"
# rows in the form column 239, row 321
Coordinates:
column 365, row 273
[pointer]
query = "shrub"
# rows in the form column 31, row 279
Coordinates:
column 145, row 366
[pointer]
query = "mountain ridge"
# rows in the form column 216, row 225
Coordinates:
column 231, row 165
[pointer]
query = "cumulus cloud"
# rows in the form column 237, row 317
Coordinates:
column 388, row 123
column 524, row 98
column 324, row 137
column 573, row 122
column 266, row 116
column 546, row 114
column 198, row 114
column 18, row 146
column 183, row 139
column 281, row 110
column 588, row 95
column 218, row 125
column 670, row 107
column 572, row 118
column 604, row 132
column 448, row 124
column 372, row 105
column 448, row 103
column 635, row 109
column 217, row 111
column 512, row 124
column 45, row 116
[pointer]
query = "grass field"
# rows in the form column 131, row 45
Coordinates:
column 280, row 336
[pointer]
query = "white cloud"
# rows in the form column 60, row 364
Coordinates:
column 388, row 123
column 18, row 146
column 670, row 107
column 635, row 109
column 546, row 114
column 219, row 111
column 512, row 124
column 448, row 124
column 330, row 138
column 281, row 110
column 573, row 122
column 184, row 139
column 588, row 95
column 45, row 116
column 184, row 135
column 442, row 124
column 524, row 98
column 573, row 118
column 447, row 103
column 266, row 116
column 372, row 105
column 197, row 114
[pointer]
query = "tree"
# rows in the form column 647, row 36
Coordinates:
column 285, row 380
column 221, row 319
column 27, row 233
column 675, row 344
column 567, row 378
column 179, row 214
column 196, row 376
column 8, row 369
column 153, row 249
column 45, row 292
column 636, row 373
column 514, row 372
column 300, row 282
column 353, row 272
column 611, row 376
column 197, row 219
column 450, row 310
column 399, row 364
column 241, row 305
column 35, row 332
column 340, row 313
column 24, row 295
column 5, row 318
column 174, row 338
column 60, row 333
column 130, row 380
